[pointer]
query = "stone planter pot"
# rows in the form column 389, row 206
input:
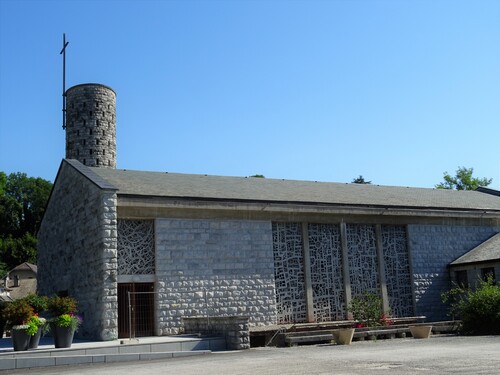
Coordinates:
column 343, row 336
column 63, row 336
column 421, row 331
column 35, row 339
column 20, row 339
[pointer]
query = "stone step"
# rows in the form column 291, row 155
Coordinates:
column 40, row 360
column 105, row 352
column 381, row 333
column 307, row 333
column 308, row 339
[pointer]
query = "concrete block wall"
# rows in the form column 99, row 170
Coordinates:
column 214, row 267
column 432, row 248
column 235, row 329
column 77, row 251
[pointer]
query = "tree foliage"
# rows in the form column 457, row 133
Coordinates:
column 360, row 180
column 22, row 204
column 368, row 310
column 463, row 180
column 479, row 309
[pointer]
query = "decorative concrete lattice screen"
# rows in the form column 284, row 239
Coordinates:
column 326, row 272
column 289, row 272
column 362, row 259
column 136, row 254
column 397, row 270
column 327, row 277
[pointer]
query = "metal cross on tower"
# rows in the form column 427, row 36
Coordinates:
column 63, row 52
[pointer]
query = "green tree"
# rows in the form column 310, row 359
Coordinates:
column 360, row 180
column 14, row 251
column 3, row 183
column 463, row 180
column 22, row 204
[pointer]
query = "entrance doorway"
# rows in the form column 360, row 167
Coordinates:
column 136, row 319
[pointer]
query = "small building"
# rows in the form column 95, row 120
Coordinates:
column 19, row 282
column 480, row 263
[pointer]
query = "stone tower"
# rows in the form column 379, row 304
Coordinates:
column 91, row 125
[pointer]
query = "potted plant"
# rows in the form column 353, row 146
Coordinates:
column 18, row 315
column 64, row 323
column 343, row 336
column 368, row 312
column 2, row 319
column 420, row 331
column 39, row 305
column 37, row 302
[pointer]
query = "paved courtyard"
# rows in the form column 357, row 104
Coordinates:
column 437, row 355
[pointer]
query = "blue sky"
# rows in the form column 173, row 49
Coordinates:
column 396, row 91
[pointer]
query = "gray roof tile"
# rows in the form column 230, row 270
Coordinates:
column 176, row 185
column 489, row 250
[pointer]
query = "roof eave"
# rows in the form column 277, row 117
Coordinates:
column 474, row 262
column 271, row 205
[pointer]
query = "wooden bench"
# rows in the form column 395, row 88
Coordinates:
column 409, row 320
column 451, row 326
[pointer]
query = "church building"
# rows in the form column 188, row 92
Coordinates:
column 145, row 249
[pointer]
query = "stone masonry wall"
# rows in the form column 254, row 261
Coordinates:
column 235, row 329
column 214, row 267
column 77, row 251
column 432, row 248
column 91, row 125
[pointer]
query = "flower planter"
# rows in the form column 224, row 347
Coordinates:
column 343, row 336
column 63, row 336
column 421, row 331
column 20, row 339
column 35, row 339
column 64, row 323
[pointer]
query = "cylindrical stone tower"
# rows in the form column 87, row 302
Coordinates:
column 91, row 125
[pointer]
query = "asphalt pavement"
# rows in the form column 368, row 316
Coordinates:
column 437, row 355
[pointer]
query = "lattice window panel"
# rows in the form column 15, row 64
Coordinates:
column 289, row 273
column 362, row 259
column 136, row 247
column 326, row 272
column 397, row 270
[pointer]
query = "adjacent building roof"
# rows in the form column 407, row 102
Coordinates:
column 193, row 186
column 489, row 250
column 23, row 286
column 26, row 267
column 486, row 190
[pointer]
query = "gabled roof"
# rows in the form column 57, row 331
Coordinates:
column 489, row 250
column 193, row 186
column 25, row 267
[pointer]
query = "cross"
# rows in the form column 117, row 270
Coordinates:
column 63, row 52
